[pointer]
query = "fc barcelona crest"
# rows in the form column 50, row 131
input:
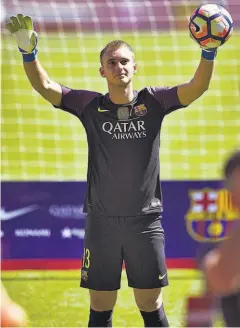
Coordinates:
column 211, row 215
column 84, row 275
column 140, row 110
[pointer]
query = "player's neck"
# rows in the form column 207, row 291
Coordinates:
column 121, row 95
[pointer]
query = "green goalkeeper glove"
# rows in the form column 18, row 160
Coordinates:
column 22, row 27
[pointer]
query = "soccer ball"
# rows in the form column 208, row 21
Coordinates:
column 210, row 26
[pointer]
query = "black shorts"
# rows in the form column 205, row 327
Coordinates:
column 138, row 241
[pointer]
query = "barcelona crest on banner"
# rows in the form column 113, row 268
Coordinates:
column 211, row 214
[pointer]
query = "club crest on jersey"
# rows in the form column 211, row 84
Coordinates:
column 211, row 215
column 84, row 275
column 140, row 110
column 123, row 113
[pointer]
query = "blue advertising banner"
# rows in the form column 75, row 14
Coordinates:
column 44, row 220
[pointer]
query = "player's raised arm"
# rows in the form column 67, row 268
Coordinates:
column 210, row 26
column 22, row 27
column 190, row 91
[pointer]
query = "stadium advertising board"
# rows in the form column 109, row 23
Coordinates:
column 45, row 220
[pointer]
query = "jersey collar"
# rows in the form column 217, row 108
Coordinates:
column 107, row 103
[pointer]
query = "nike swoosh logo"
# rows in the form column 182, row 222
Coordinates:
column 102, row 110
column 161, row 277
column 19, row 212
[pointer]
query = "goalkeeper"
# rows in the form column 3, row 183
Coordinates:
column 123, row 200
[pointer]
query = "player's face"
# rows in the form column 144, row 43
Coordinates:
column 118, row 66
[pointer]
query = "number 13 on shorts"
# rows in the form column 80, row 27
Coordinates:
column 86, row 258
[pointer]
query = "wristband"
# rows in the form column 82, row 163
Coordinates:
column 28, row 58
column 209, row 54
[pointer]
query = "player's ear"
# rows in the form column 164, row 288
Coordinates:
column 101, row 70
column 135, row 68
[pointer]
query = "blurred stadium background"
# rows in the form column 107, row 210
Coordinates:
column 40, row 143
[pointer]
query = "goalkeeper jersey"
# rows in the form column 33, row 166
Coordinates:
column 123, row 148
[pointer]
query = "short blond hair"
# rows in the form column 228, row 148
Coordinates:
column 115, row 44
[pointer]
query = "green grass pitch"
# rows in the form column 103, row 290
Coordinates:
column 40, row 142
column 54, row 299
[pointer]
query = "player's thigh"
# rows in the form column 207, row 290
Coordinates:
column 102, row 300
column 102, row 256
column 148, row 299
column 144, row 254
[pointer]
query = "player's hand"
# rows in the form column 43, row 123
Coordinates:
column 207, row 53
column 12, row 314
column 22, row 27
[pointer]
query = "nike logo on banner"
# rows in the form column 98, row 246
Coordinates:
column 161, row 277
column 15, row 213
column 102, row 110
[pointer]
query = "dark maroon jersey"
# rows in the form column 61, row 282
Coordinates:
column 123, row 148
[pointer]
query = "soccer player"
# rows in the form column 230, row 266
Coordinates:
column 222, row 264
column 123, row 199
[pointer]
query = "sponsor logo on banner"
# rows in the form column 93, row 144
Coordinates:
column 8, row 215
column 32, row 233
column 67, row 211
column 68, row 233
column 211, row 214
